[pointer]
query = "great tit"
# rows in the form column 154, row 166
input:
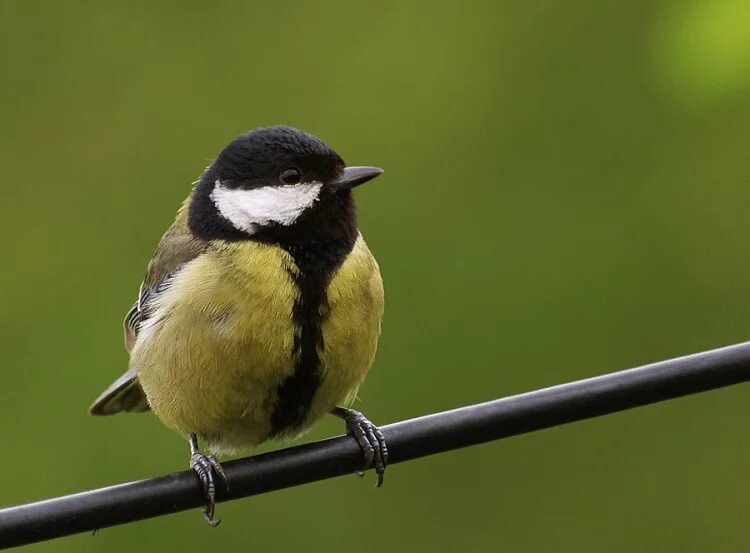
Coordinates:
column 261, row 309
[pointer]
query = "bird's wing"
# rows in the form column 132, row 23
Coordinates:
column 177, row 247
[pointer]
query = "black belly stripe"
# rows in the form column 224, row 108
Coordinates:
column 317, row 256
column 296, row 393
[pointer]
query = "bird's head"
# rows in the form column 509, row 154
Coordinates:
column 270, row 180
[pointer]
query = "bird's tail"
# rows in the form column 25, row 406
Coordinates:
column 124, row 394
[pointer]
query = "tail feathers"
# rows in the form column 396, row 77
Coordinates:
column 124, row 394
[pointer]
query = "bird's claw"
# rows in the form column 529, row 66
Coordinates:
column 208, row 468
column 370, row 440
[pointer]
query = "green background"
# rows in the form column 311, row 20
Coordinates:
column 566, row 194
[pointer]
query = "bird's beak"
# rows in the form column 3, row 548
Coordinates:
column 354, row 176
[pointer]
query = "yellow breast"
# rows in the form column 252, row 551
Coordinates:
column 221, row 341
column 351, row 328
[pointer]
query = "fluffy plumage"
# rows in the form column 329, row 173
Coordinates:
column 261, row 308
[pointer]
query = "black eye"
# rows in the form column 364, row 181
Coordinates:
column 290, row 176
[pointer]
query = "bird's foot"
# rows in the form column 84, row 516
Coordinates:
column 370, row 440
column 208, row 468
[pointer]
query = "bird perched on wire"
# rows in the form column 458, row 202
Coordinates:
column 261, row 309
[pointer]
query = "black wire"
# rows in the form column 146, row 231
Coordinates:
column 88, row 511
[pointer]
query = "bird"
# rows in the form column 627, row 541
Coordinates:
column 261, row 308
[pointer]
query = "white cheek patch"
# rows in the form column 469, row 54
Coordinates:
column 249, row 209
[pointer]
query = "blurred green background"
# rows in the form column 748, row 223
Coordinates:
column 566, row 194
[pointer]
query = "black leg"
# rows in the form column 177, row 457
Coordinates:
column 207, row 467
column 369, row 437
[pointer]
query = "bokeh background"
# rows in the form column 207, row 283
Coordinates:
column 566, row 194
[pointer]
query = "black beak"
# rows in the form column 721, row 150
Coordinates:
column 354, row 176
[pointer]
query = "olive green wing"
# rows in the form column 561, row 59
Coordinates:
column 177, row 247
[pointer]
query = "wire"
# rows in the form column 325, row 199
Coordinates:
column 410, row 439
